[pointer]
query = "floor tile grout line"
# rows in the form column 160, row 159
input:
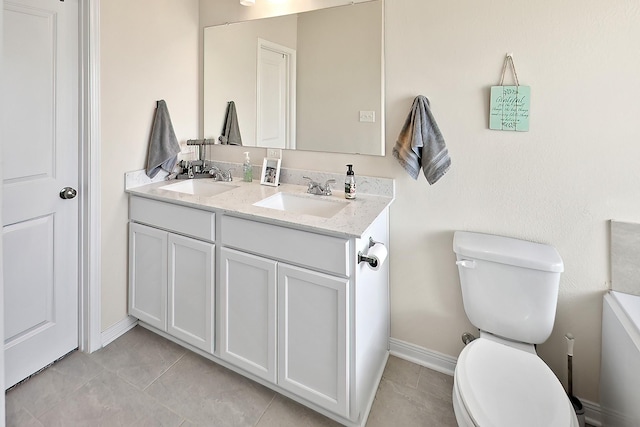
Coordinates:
column 167, row 407
column 33, row 415
column 419, row 376
column 92, row 377
column 164, row 372
column 162, row 403
column 55, row 367
column 266, row 409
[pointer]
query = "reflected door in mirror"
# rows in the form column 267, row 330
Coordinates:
column 275, row 96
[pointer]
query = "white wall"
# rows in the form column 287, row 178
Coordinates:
column 149, row 51
column 558, row 183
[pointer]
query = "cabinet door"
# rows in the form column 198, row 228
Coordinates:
column 248, row 312
column 148, row 275
column 191, row 291
column 312, row 336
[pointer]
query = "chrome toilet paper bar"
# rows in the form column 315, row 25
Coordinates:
column 372, row 261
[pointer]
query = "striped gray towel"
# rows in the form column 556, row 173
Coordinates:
column 421, row 145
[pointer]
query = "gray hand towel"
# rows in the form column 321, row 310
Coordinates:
column 230, row 129
column 163, row 144
column 421, row 145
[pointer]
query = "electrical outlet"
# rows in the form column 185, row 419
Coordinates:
column 368, row 116
column 274, row 153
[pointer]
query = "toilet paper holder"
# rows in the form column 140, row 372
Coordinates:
column 363, row 258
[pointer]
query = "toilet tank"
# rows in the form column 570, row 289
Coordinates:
column 509, row 286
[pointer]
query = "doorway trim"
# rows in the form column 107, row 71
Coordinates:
column 2, row 382
column 290, row 114
column 89, row 327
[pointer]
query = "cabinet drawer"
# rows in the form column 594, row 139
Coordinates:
column 180, row 219
column 313, row 250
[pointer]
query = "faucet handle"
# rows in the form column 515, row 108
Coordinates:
column 226, row 175
column 327, row 187
column 314, row 187
column 311, row 182
column 215, row 173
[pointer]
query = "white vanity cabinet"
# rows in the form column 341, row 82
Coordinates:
column 289, row 302
column 300, row 324
column 171, row 269
column 313, row 336
column 248, row 312
column 148, row 275
column 279, row 298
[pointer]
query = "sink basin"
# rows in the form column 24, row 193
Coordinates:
column 302, row 204
column 199, row 187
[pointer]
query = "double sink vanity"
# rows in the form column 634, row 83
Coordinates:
column 266, row 281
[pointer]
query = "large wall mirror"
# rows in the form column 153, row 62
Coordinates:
column 309, row 81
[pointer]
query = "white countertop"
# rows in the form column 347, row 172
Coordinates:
column 351, row 221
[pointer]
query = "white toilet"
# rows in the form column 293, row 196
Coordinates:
column 510, row 291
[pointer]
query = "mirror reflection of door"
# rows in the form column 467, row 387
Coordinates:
column 276, row 96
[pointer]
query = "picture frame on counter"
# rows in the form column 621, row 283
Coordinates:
column 270, row 172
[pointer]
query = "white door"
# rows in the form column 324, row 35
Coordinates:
column 248, row 312
column 312, row 337
column 190, row 296
column 40, row 153
column 275, row 96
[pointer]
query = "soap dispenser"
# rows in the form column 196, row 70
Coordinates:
column 247, row 169
column 350, row 184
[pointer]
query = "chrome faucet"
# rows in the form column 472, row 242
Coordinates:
column 221, row 175
column 319, row 189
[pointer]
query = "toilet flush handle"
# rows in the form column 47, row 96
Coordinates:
column 467, row 263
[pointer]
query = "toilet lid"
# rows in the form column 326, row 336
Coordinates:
column 503, row 386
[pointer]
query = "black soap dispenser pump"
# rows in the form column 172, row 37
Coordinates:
column 350, row 184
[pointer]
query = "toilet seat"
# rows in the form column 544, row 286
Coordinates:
column 498, row 385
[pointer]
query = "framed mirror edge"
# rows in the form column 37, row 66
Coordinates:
column 374, row 146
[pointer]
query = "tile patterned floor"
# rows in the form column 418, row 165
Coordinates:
column 142, row 379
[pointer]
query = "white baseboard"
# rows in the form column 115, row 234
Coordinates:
column 447, row 364
column 422, row 356
column 118, row 329
column 592, row 413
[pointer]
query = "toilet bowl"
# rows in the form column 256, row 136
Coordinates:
column 498, row 385
column 509, row 290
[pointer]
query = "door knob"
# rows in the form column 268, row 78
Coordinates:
column 68, row 193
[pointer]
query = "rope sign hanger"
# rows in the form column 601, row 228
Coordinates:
column 509, row 108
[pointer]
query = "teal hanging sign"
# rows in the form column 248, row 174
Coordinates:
column 509, row 107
